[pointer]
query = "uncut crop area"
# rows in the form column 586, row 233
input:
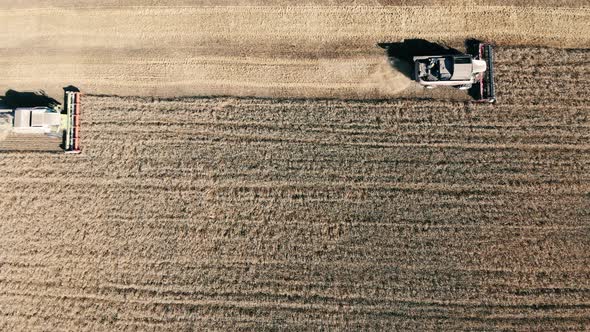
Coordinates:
column 245, row 213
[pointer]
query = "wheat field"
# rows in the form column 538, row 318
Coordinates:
column 225, row 213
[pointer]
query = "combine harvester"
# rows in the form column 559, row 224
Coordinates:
column 42, row 128
column 473, row 71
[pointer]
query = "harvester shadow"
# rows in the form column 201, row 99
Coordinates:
column 401, row 54
column 15, row 99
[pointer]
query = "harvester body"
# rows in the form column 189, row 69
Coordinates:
column 50, row 128
column 464, row 71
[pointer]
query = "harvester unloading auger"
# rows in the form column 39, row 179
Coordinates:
column 473, row 71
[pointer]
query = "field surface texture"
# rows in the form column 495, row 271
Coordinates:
column 257, row 202
column 237, row 213
column 292, row 49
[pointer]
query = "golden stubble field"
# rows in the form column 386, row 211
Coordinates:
column 302, row 49
column 247, row 213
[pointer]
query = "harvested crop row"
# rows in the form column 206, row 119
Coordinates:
column 226, row 213
column 295, row 51
column 189, row 3
column 29, row 143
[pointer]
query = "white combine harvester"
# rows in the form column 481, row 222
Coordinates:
column 45, row 128
column 463, row 71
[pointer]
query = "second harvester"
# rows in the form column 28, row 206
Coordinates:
column 472, row 71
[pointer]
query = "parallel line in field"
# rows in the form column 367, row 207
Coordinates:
column 322, row 308
column 367, row 128
column 197, row 263
column 136, row 291
column 268, row 187
column 241, row 138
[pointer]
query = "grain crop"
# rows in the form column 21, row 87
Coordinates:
column 225, row 213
